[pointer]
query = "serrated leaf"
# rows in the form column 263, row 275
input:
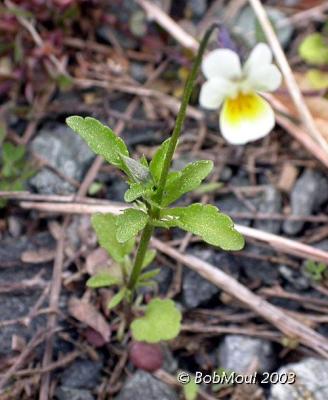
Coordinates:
column 149, row 258
column 207, row 222
column 105, row 227
column 186, row 180
column 129, row 224
column 100, row 138
column 149, row 274
column 137, row 171
column 102, row 279
column 161, row 322
column 156, row 164
column 116, row 300
column 314, row 49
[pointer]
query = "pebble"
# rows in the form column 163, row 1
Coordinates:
column 308, row 194
column 143, row 386
column 237, row 352
column 63, row 150
column 311, row 381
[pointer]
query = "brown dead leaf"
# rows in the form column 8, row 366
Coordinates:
column 89, row 315
column 317, row 105
column 287, row 177
column 38, row 256
column 95, row 260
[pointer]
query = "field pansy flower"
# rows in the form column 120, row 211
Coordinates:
column 245, row 116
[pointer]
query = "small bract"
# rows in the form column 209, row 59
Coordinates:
column 245, row 116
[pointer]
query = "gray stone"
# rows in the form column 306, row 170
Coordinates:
column 170, row 364
column 246, row 26
column 309, row 193
column 66, row 393
column 258, row 267
column 198, row 7
column 297, row 281
column 237, row 352
column 311, row 381
column 143, row 386
column 271, row 203
column 82, row 374
column 65, row 151
column 195, row 289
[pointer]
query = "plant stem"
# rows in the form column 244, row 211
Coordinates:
column 182, row 113
column 140, row 256
column 148, row 230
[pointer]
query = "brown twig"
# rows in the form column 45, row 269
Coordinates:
column 279, row 243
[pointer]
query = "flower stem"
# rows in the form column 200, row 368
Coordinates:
column 182, row 113
column 148, row 230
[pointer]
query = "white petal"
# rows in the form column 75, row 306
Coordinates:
column 246, row 118
column 221, row 63
column 261, row 55
column 214, row 91
column 266, row 78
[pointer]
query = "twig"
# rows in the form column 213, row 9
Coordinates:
column 294, row 90
column 35, row 341
column 236, row 330
column 287, row 325
column 158, row 15
column 54, row 303
column 279, row 243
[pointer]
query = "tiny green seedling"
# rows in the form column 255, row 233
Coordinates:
column 153, row 188
column 316, row 271
column 15, row 170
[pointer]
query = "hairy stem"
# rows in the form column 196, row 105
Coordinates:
column 148, row 230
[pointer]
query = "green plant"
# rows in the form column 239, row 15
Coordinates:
column 315, row 270
column 152, row 190
column 314, row 51
column 15, row 170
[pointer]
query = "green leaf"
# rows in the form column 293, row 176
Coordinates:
column 100, row 138
column 318, row 79
column 314, row 49
column 207, row 222
column 186, row 180
column 156, row 164
column 208, row 187
column 105, row 227
column 161, row 322
column 11, row 153
column 129, row 224
column 103, row 279
column 94, row 188
column 137, row 171
column 190, row 389
column 116, row 300
column 149, row 258
column 315, row 270
column 149, row 274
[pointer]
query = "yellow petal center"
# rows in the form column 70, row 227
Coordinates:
column 248, row 106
